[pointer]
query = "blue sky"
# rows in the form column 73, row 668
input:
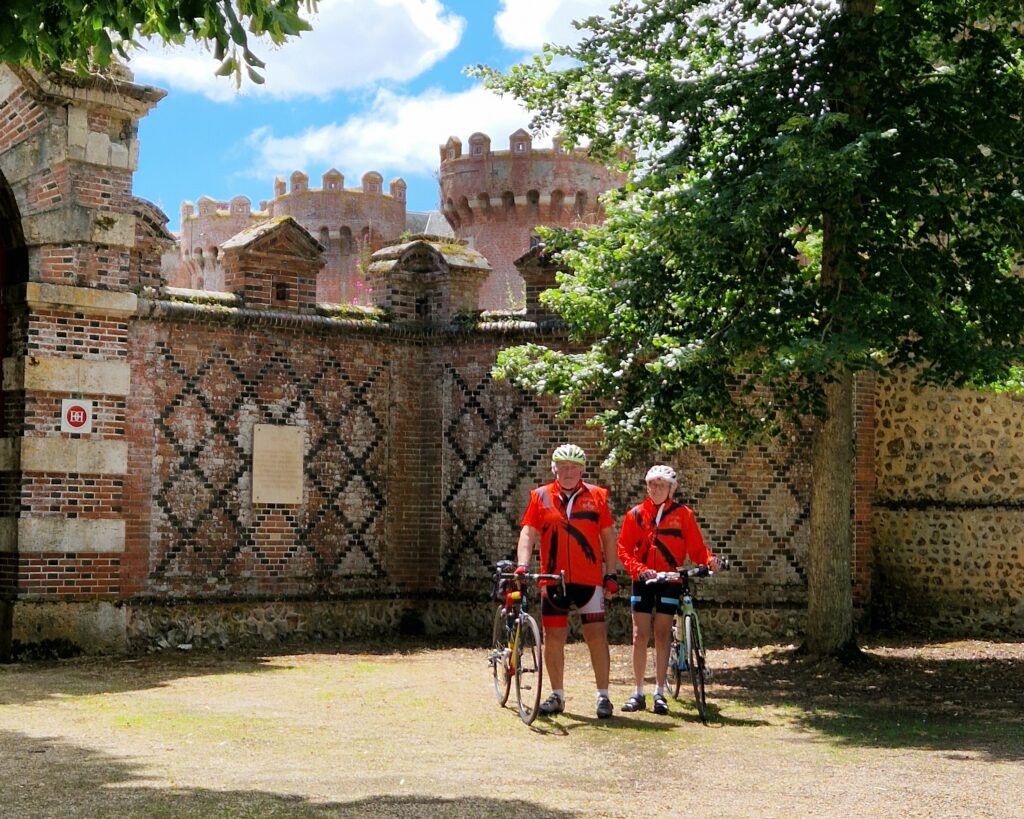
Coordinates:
column 377, row 85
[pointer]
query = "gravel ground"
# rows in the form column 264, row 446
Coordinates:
column 919, row 730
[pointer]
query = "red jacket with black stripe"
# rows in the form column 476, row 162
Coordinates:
column 570, row 530
column 646, row 543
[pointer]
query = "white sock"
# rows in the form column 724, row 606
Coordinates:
column 559, row 692
column 660, row 691
column 639, row 691
column 602, row 692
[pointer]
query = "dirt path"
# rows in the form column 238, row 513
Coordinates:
column 923, row 730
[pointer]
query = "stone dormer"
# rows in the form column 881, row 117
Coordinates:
column 428, row 279
column 373, row 182
column 300, row 182
column 273, row 265
column 520, row 143
column 479, row 145
column 452, row 149
column 333, row 180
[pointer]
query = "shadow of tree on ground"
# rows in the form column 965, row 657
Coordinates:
column 97, row 784
column 958, row 697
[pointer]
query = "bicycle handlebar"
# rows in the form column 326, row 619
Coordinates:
column 505, row 573
column 534, row 577
column 682, row 571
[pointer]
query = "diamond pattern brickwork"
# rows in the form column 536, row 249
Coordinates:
column 208, row 538
column 497, row 442
column 752, row 503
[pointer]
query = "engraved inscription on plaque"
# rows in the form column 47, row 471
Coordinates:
column 277, row 463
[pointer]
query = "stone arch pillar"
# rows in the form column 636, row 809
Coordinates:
column 68, row 231
column 13, row 269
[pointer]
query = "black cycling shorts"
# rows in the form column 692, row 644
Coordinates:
column 662, row 598
column 588, row 600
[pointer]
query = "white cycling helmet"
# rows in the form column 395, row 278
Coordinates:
column 665, row 473
column 569, row 452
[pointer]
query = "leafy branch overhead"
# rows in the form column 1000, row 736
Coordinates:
column 87, row 33
column 818, row 188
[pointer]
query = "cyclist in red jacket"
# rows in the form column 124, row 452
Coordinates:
column 576, row 531
column 657, row 536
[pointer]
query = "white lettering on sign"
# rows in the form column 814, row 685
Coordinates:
column 75, row 415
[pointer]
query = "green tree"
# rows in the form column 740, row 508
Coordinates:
column 820, row 188
column 87, row 33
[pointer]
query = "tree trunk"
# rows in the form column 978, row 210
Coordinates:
column 830, row 552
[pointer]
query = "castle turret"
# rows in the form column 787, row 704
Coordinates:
column 496, row 199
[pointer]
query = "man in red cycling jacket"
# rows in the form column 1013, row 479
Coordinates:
column 657, row 535
column 576, row 531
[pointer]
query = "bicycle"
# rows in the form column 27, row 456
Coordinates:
column 686, row 653
column 516, row 643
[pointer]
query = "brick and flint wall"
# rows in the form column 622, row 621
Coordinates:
column 415, row 462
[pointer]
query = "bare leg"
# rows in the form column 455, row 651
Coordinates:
column 554, row 655
column 641, row 637
column 596, row 635
column 662, row 638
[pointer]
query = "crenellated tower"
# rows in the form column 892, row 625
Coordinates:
column 350, row 223
column 496, row 199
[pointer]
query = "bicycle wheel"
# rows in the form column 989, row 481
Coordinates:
column 695, row 655
column 499, row 658
column 529, row 669
column 676, row 657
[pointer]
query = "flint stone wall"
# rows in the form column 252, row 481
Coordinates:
column 948, row 518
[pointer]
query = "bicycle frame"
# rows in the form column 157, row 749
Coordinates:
column 687, row 650
column 516, row 651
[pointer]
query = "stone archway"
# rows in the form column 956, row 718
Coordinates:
column 13, row 269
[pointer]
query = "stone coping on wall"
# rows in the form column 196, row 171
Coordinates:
column 213, row 307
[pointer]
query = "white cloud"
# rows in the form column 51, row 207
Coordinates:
column 397, row 135
column 527, row 25
column 353, row 44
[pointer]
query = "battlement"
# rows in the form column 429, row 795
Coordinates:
column 333, row 183
column 522, row 184
column 208, row 223
column 346, row 221
column 497, row 198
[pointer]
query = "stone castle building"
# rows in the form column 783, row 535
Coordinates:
column 349, row 223
column 494, row 200
column 251, row 463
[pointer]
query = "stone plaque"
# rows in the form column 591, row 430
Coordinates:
column 277, row 463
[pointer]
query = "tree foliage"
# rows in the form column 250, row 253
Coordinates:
column 87, row 33
column 769, row 141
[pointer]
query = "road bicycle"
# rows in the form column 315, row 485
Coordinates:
column 516, row 643
column 686, row 653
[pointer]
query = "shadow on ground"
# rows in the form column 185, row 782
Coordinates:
column 33, row 680
column 908, row 696
column 97, row 784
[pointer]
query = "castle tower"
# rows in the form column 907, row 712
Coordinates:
column 349, row 223
column 495, row 200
